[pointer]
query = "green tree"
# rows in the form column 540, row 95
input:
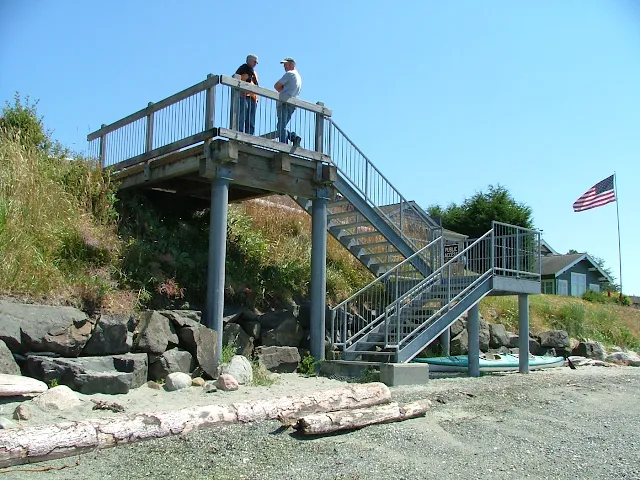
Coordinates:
column 21, row 119
column 474, row 216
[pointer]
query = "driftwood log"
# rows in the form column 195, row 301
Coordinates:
column 47, row 442
column 322, row 423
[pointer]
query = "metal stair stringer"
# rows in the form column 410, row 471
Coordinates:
column 430, row 333
column 382, row 227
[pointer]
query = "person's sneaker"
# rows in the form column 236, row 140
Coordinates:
column 296, row 141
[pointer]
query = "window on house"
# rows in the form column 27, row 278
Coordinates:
column 578, row 284
column 594, row 287
column 563, row 287
column 547, row 287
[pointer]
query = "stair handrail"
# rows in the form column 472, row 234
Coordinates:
column 370, row 285
column 427, row 282
column 403, row 203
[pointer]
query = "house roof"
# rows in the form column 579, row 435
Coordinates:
column 544, row 245
column 557, row 264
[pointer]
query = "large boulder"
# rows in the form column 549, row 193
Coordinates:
column 234, row 334
column 484, row 335
column 111, row 336
column 201, row 342
column 554, row 339
column 273, row 319
column 458, row 326
column 251, row 328
column 57, row 398
column 110, row 374
column 624, row 358
column 514, row 341
column 155, row 333
column 42, row 328
column 239, row 368
column 15, row 385
column 593, row 350
column 278, row 359
column 498, row 336
column 171, row 361
column 460, row 343
column 289, row 333
column 8, row 365
column 182, row 318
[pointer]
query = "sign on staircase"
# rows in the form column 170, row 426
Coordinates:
column 450, row 251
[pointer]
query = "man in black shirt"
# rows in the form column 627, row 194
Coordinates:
column 248, row 101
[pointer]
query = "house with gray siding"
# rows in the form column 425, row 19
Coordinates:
column 571, row 274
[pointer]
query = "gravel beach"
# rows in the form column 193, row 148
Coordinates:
column 555, row 424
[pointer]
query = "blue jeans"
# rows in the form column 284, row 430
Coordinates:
column 285, row 111
column 247, row 115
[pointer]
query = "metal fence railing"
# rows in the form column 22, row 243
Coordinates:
column 364, row 310
column 215, row 107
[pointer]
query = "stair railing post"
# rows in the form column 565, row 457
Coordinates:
column 493, row 246
column 233, row 112
column 210, row 111
column 319, row 136
column 517, row 253
column 149, row 140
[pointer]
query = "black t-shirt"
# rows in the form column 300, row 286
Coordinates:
column 245, row 69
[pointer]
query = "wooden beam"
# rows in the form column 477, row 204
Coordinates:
column 282, row 162
column 172, row 147
column 159, row 173
column 279, row 146
column 164, row 160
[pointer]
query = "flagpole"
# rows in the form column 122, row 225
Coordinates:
column 615, row 189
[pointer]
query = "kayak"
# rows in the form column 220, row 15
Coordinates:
column 490, row 362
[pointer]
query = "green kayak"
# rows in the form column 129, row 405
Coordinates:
column 490, row 362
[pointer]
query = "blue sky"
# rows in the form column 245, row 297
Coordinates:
column 445, row 98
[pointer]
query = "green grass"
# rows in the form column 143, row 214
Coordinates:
column 261, row 376
column 608, row 323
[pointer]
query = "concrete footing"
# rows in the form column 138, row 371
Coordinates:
column 394, row 374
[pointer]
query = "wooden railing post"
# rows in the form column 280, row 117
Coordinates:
column 210, row 111
column 149, row 143
column 319, row 137
column 103, row 147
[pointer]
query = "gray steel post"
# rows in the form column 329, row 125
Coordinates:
column 473, row 329
column 445, row 342
column 523, row 332
column 217, row 254
column 318, row 275
column 149, row 140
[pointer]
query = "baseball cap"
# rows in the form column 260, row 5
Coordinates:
column 287, row 59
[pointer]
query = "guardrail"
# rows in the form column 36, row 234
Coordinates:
column 206, row 110
column 362, row 311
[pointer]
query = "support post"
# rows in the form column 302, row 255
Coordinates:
column 318, row 274
column 209, row 108
column 473, row 329
column 217, row 254
column 523, row 332
column 445, row 342
column 319, row 134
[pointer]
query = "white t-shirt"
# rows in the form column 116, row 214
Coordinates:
column 291, row 83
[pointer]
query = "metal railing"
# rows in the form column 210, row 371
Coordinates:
column 365, row 309
column 505, row 250
column 410, row 222
column 209, row 109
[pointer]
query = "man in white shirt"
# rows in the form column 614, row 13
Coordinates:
column 288, row 86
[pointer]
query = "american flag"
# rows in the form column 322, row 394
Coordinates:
column 598, row 195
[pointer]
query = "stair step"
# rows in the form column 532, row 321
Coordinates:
column 339, row 203
column 346, row 214
column 354, row 236
column 371, row 352
column 358, row 224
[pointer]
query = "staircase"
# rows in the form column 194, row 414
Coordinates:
column 416, row 296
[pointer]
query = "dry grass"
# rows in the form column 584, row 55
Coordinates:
column 52, row 225
column 610, row 324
